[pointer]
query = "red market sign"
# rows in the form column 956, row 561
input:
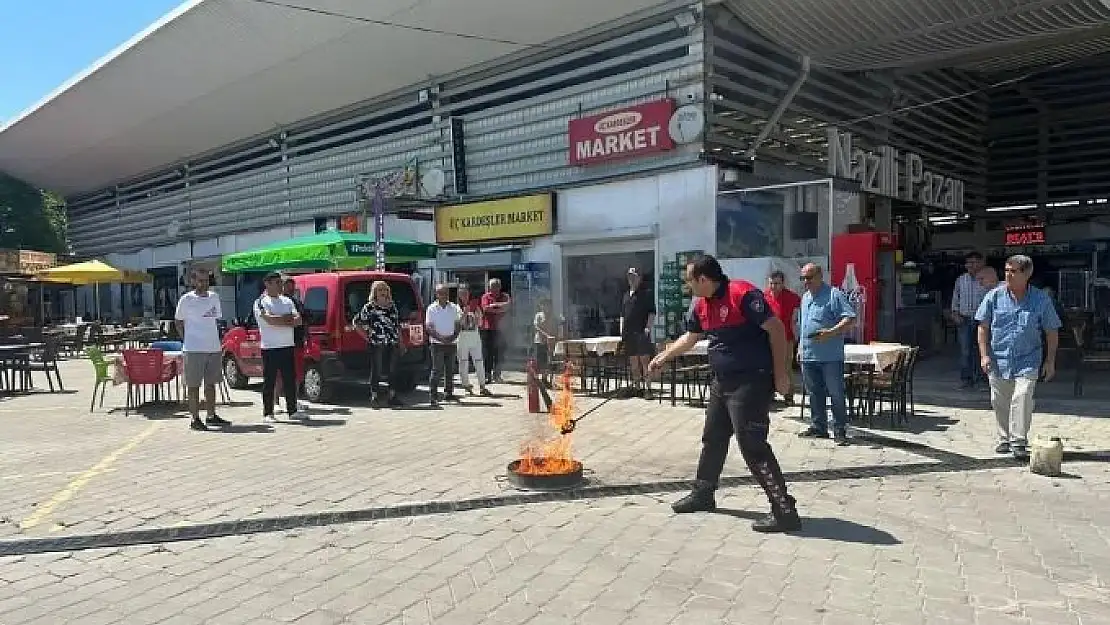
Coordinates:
column 1025, row 233
column 627, row 133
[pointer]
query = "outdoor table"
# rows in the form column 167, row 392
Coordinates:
column 119, row 372
column 13, row 356
column 874, row 358
column 877, row 357
column 598, row 346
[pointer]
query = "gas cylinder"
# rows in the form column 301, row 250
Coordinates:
column 1046, row 455
column 533, row 387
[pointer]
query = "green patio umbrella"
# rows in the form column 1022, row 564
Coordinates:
column 326, row 250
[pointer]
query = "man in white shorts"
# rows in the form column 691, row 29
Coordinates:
column 197, row 313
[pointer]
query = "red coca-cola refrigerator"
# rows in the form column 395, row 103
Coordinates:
column 865, row 267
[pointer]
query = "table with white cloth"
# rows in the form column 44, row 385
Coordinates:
column 874, row 359
column 877, row 356
column 598, row 346
column 598, row 370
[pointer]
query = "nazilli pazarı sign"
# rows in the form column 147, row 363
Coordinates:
column 888, row 173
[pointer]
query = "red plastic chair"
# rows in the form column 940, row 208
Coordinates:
column 145, row 367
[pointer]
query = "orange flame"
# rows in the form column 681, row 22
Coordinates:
column 551, row 454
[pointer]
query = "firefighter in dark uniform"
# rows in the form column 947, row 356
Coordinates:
column 747, row 346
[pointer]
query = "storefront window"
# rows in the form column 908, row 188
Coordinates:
column 750, row 224
column 166, row 291
column 595, row 286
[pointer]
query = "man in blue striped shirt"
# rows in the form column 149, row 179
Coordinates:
column 1011, row 320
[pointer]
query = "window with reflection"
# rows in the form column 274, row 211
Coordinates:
column 595, row 286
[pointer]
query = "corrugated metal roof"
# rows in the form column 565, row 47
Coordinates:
column 217, row 72
column 984, row 35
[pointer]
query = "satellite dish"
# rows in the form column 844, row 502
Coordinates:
column 173, row 229
column 432, row 183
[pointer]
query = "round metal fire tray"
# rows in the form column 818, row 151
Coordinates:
column 546, row 481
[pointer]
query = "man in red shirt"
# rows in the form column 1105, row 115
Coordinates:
column 785, row 303
column 494, row 304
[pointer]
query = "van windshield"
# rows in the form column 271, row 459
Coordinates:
column 358, row 293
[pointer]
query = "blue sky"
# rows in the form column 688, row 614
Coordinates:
column 45, row 42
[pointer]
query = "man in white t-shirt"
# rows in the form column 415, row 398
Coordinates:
column 197, row 313
column 277, row 317
column 443, row 322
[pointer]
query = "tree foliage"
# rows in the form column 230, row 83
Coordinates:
column 30, row 218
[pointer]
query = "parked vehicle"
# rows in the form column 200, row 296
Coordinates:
column 334, row 353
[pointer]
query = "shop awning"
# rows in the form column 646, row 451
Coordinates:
column 91, row 272
column 326, row 250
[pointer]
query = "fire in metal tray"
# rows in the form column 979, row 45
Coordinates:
column 546, row 461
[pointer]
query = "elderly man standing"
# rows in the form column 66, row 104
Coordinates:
column 825, row 317
column 443, row 320
column 966, row 296
column 494, row 304
column 1011, row 319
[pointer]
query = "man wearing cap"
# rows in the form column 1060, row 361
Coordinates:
column 637, row 318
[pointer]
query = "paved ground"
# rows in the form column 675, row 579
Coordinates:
column 933, row 532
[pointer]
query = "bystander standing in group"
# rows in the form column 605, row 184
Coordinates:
column 495, row 304
column 289, row 289
column 543, row 340
column 379, row 323
column 277, row 320
column 966, row 296
column 826, row 316
column 1012, row 318
column 196, row 316
column 784, row 303
column 746, row 342
column 442, row 319
column 470, row 343
column 637, row 320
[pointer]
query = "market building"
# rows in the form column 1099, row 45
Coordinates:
column 555, row 145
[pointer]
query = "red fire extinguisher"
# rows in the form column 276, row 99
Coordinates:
column 533, row 387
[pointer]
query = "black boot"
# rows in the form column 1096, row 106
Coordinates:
column 779, row 521
column 699, row 500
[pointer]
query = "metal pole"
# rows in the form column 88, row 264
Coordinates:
column 379, row 227
column 784, row 103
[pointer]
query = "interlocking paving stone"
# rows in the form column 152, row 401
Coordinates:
column 387, row 518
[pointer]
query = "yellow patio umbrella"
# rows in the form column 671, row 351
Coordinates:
column 89, row 272
column 92, row 272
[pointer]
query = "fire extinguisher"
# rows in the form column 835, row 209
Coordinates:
column 533, row 387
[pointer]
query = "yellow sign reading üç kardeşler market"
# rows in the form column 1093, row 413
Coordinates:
column 496, row 220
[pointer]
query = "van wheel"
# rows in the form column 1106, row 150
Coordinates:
column 315, row 389
column 402, row 382
column 234, row 377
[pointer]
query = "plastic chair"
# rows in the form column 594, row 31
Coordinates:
column 145, row 367
column 103, row 378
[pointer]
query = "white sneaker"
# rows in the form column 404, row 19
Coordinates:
column 299, row 416
column 269, row 419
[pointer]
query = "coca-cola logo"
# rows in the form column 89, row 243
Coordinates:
column 618, row 122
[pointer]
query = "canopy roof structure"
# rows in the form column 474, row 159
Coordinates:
column 326, row 250
column 990, row 36
column 217, row 72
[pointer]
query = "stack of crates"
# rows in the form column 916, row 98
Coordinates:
column 674, row 295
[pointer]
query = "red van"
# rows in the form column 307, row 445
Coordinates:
column 334, row 353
